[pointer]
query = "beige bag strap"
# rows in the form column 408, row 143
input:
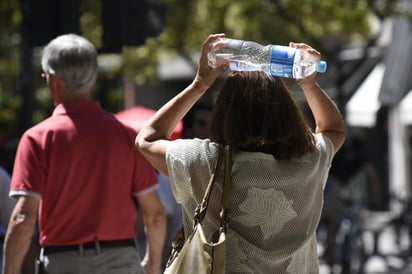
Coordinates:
column 200, row 211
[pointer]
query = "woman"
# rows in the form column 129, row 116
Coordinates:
column 279, row 166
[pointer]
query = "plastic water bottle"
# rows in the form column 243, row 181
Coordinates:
column 276, row 60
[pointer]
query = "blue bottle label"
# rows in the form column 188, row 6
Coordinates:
column 281, row 61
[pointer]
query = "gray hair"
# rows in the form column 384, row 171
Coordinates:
column 73, row 59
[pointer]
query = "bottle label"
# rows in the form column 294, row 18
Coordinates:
column 281, row 61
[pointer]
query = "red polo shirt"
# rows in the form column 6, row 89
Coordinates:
column 83, row 165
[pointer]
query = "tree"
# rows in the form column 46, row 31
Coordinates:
column 268, row 21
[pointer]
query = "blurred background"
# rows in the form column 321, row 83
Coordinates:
column 148, row 52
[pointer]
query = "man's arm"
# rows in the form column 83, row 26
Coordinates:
column 7, row 204
column 155, row 221
column 19, row 234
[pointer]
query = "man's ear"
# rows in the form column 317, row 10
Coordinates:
column 57, row 89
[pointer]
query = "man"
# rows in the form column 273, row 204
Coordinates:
column 80, row 171
column 196, row 121
column 6, row 205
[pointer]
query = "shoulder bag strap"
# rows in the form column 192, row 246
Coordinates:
column 200, row 211
column 224, row 216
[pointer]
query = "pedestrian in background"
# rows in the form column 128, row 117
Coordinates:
column 7, row 205
column 279, row 167
column 196, row 121
column 80, row 171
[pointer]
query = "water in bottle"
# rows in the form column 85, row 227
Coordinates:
column 276, row 60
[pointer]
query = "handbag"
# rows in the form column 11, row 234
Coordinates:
column 196, row 254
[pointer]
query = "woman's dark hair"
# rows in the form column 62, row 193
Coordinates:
column 255, row 112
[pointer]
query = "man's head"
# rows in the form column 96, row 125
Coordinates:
column 196, row 121
column 73, row 59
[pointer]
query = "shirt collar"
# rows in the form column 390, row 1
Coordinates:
column 77, row 107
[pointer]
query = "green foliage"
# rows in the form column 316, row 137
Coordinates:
column 90, row 20
column 10, row 102
column 265, row 21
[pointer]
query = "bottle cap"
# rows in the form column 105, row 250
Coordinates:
column 321, row 66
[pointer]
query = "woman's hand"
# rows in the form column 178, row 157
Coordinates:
column 206, row 75
column 309, row 81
